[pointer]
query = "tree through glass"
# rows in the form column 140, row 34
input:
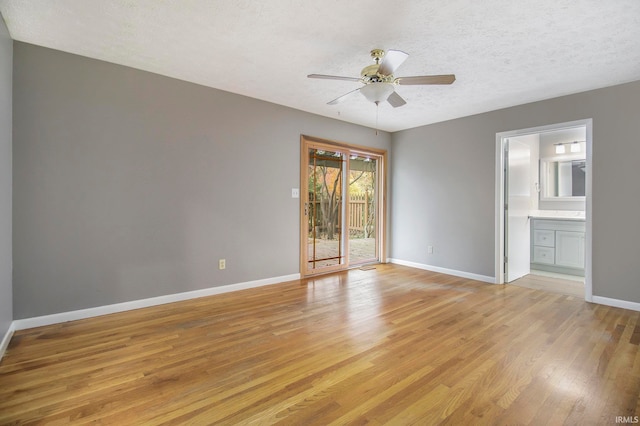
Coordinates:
column 325, row 247
column 362, row 209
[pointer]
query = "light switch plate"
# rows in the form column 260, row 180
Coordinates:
column 295, row 192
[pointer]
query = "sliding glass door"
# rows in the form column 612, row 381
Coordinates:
column 341, row 206
column 325, row 245
column 361, row 209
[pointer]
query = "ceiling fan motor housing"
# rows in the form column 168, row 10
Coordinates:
column 369, row 74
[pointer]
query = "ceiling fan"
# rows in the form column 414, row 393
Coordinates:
column 379, row 82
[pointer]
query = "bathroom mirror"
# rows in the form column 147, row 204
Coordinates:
column 563, row 179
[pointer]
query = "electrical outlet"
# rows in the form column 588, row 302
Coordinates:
column 430, row 249
column 295, row 192
column 222, row 264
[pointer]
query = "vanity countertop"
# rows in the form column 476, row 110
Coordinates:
column 557, row 214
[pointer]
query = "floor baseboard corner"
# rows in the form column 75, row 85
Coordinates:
column 6, row 339
column 455, row 273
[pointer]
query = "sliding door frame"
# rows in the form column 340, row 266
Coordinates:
column 307, row 142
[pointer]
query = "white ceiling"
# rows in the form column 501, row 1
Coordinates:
column 503, row 52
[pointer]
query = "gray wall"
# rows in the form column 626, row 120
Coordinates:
column 129, row 185
column 6, row 60
column 443, row 186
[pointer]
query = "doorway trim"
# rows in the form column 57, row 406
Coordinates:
column 499, row 196
column 381, row 208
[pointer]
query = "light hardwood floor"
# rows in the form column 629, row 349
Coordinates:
column 391, row 345
column 573, row 286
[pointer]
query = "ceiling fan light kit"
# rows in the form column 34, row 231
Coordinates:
column 377, row 92
column 379, row 82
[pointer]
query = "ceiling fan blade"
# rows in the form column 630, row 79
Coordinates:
column 391, row 61
column 427, row 79
column 343, row 97
column 396, row 100
column 333, row 77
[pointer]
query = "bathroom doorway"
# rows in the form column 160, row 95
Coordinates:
column 543, row 218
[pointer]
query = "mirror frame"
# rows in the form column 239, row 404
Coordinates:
column 543, row 167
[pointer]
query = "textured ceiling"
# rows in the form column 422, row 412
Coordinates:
column 503, row 52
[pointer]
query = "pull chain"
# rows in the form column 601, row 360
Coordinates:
column 377, row 105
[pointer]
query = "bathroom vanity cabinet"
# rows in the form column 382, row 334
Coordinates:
column 558, row 245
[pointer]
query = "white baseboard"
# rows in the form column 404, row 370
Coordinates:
column 6, row 339
column 624, row 304
column 22, row 324
column 477, row 277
